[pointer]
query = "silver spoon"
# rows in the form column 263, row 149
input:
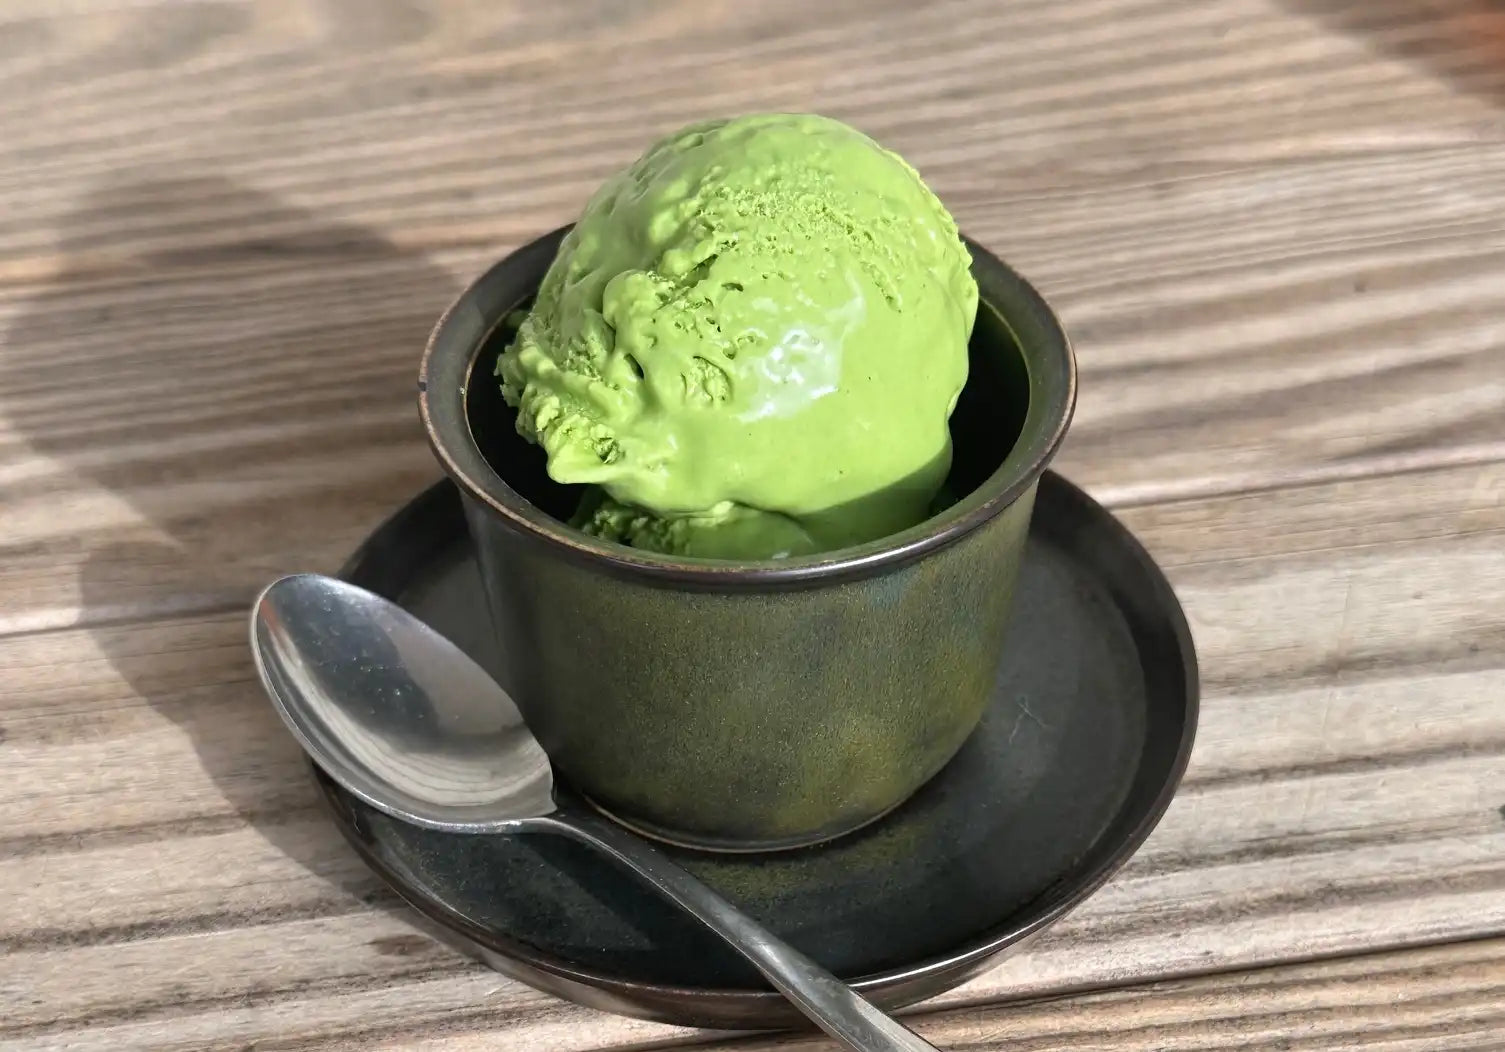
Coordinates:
column 406, row 721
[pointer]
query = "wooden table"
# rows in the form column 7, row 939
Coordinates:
column 1276, row 232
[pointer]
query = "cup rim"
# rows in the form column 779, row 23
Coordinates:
column 465, row 327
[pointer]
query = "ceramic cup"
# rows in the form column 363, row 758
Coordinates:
column 759, row 705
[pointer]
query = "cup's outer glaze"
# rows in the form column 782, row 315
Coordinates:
column 748, row 707
column 742, row 718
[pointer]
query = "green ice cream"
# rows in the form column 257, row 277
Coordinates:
column 727, row 531
column 752, row 341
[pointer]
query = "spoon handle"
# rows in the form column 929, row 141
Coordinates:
column 831, row 1004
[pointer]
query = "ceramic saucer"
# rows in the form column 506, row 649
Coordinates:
column 1074, row 763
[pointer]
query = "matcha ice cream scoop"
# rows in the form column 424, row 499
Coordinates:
column 752, row 341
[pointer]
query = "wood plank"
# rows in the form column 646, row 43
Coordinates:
column 210, row 872
column 1442, row 999
column 396, row 995
column 250, row 333
column 208, row 431
column 435, row 118
column 1241, row 873
column 1343, row 795
column 1323, row 517
column 249, row 417
column 1295, row 595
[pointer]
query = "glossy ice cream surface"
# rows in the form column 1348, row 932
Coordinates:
column 751, row 341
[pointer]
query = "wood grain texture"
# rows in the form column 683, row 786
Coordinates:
column 1444, row 999
column 1274, row 228
column 1344, row 793
column 244, row 410
column 450, row 118
column 1279, row 255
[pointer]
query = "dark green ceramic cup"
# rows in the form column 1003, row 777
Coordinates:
column 751, row 706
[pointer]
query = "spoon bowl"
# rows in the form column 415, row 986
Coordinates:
column 395, row 712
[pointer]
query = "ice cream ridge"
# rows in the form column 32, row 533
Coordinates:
column 750, row 343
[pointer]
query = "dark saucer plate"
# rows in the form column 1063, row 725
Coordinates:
column 1072, row 766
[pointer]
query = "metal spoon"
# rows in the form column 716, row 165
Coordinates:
column 406, row 721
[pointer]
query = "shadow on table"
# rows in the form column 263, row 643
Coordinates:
column 187, row 423
column 1461, row 42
